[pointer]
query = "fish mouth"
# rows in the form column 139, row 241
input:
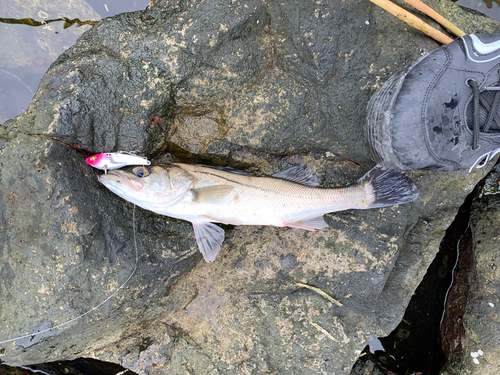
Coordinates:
column 120, row 183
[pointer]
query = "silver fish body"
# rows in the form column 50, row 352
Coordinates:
column 204, row 195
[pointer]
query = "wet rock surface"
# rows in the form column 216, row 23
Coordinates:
column 427, row 329
column 472, row 341
column 239, row 83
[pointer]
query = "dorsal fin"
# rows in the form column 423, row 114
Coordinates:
column 301, row 175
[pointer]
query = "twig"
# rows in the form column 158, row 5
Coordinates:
column 321, row 329
column 413, row 21
column 436, row 17
column 321, row 292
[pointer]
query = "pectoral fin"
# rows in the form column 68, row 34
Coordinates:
column 311, row 223
column 210, row 193
column 209, row 238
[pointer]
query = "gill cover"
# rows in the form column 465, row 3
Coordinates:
column 151, row 188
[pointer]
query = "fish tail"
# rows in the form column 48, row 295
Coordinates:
column 388, row 187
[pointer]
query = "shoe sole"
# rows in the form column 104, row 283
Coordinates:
column 378, row 127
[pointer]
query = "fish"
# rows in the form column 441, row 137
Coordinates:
column 206, row 195
column 108, row 161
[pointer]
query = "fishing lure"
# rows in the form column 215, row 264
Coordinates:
column 108, row 161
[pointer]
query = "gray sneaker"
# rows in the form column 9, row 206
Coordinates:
column 442, row 112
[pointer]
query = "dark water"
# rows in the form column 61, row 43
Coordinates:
column 79, row 366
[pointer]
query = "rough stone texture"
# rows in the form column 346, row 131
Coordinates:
column 479, row 333
column 254, row 85
column 369, row 364
column 466, row 19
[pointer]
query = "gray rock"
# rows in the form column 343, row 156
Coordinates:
column 475, row 345
column 466, row 19
column 239, row 83
column 369, row 365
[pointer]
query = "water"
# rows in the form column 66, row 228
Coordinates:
column 32, row 38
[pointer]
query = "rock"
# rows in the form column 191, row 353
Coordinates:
column 65, row 250
column 239, row 83
column 368, row 364
column 473, row 345
column 466, row 19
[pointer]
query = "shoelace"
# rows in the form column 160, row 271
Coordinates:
column 492, row 111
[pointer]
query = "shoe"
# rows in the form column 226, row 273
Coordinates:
column 442, row 112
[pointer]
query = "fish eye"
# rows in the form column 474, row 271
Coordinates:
column 93, row 158
column 141, row 171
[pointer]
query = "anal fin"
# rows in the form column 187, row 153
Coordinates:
column 209, row 238
column 311, row 223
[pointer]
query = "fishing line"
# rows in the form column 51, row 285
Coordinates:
column 452, row 275
column 93, row 308
column 27, row 368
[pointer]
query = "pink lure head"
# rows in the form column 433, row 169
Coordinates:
column 98, row 160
